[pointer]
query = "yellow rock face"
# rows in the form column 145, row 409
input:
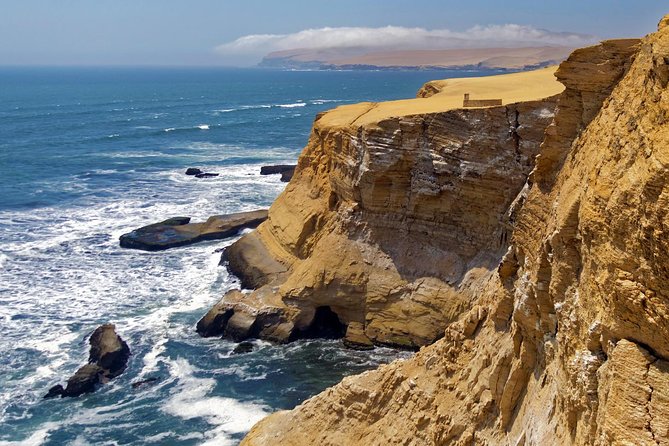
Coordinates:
column 568, row 341
column 395, row 209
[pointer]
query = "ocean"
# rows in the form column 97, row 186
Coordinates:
column 87, row 154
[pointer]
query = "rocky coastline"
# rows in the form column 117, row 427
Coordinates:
column 522, row 247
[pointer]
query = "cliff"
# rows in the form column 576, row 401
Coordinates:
column 394, row 210
column 567, row 341
column 463, row 58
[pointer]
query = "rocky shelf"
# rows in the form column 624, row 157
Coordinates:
column 178, row 231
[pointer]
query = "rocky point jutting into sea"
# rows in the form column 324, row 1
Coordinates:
column 524, row 246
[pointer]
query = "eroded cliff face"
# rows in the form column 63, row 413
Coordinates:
column 385, row 224
column 568, row 342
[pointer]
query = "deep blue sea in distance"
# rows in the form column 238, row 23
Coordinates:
column 87, row 154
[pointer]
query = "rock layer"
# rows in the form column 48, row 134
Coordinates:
column 568, row 342
column 370, row 208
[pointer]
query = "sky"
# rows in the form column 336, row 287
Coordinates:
column 225, row 32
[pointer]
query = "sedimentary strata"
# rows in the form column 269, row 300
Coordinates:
column 393, row 211
column 178, row 231
column 567, row 341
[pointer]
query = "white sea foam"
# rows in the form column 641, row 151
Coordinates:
column 190, row 399
column 324, row 101
column 39, row 437
column 293, row 105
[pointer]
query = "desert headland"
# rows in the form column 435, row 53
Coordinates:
column 409, row 224
column 519, row 246
column 511, row 59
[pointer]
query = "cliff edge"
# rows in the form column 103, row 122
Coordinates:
column 567, row 341
column 394, row 210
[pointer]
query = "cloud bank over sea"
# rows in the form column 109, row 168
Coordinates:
column 402, row 38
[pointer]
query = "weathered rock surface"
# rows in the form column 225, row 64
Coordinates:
column 107, row 359
column 178, row 231
column 568, row 341
column 371, row 206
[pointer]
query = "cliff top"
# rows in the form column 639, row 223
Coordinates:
column 511, row 88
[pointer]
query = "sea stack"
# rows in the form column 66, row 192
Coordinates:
column 107, row 359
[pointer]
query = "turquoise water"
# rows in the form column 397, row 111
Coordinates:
column 88, row 154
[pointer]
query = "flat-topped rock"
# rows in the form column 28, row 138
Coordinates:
column 179, row 231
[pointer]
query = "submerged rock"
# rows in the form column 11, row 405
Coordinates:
column 206, row 175
column 243, row 347
column 107, row 359
column 193, row 171
column 178, row 231
column 143, row 382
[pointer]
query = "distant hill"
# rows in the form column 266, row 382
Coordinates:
column 362, row 58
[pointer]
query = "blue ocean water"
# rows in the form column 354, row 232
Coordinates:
column 87, row 154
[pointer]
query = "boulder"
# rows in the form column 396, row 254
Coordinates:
column 55, row 391
column 193, row 171
column 243, row 347
column 108, row 350
column 85, row 380
column 107, row 359
column 178, row 231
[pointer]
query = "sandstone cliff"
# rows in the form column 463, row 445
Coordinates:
column 394, row 211
column 568, row 341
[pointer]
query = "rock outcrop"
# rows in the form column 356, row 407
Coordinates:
column 178, row 231
column 285, row 170
column 107, row 359
column 567, row 342
column 389, row 216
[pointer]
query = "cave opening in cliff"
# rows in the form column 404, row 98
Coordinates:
column 326, row 324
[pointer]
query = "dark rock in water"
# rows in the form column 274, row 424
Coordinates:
column 178, row 232
column 137, row 384
column 277, row 169
column 85, row 380
column 243, row 347
column 108, row 358
column 287, row 175
column 108, row 350
column 206, row 175
column 55, row 391
column 193, row 171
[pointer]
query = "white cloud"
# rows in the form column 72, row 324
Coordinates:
column 398, row 37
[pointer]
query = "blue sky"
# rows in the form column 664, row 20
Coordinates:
column 170, row 32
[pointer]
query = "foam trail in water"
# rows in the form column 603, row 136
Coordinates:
column 190, row 399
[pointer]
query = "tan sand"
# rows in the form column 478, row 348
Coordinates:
column 511, row 88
